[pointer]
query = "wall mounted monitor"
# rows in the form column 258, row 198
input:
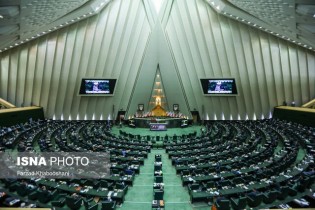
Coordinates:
column 97, row 87
column 219, row 87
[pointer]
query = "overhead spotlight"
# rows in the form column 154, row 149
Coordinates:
column 16, row 44
column 1, row 16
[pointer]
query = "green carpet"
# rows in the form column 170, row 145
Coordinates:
column 146, row 131
column 140, row 195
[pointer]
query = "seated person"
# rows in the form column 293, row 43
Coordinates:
column 253, row 193
column 309, row 173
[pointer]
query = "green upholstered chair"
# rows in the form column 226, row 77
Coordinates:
column 223, row 204
column 158, row 195
column 284, row 192
column 239, row 203
column 108, row 205
column 73, row 203
column 158, row 179
column 254, row 201
column 270, row 196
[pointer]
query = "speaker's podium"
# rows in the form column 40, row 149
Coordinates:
column 158, row 204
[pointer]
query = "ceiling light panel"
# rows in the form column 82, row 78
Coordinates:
column 280, row 13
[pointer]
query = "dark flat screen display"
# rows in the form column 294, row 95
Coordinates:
column 97, row 87
column 220, row 87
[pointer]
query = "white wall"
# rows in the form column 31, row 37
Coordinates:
column 197, row 43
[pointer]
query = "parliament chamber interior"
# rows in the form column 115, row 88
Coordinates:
column 157, row 104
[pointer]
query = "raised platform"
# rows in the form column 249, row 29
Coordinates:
column 304, row 116
column 168, row 122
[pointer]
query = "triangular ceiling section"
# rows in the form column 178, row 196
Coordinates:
column 158, row 53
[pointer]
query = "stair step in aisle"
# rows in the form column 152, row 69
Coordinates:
column 140, row 195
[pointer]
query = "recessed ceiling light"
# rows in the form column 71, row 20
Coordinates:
column 1, row 16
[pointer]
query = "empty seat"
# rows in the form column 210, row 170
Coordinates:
column 73, row 203
column 158, row 179
column 284, row 192
column 254, row 201
column 222, row 204
column 270, row 197
column 108, row 205
column 239, row 203
column 158, row 194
